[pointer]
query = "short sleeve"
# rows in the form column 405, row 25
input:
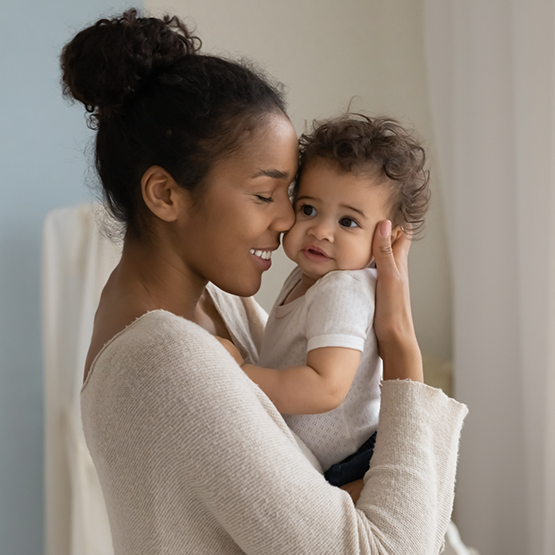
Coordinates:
column 340, row 309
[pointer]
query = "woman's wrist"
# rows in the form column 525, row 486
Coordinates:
column 402, row 361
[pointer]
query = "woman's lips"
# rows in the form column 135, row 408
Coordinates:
column 263, row 257
column 316, row 254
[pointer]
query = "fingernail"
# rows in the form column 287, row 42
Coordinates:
column 385, row 228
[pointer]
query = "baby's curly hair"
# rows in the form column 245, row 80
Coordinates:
column 379, row 148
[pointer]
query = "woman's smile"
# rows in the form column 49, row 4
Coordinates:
column 263, row 257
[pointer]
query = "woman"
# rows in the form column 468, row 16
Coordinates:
column 196, row 155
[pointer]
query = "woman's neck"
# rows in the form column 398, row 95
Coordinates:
column 152, row 277
column 149, row 278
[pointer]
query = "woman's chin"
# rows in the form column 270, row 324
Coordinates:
column 247, row 288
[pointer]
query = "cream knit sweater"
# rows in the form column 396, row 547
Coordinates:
column 194, row 459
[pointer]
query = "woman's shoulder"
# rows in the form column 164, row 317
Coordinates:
column 165, row 365
column 154, row 327
column 158, row 338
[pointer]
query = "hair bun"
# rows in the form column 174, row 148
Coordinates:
column 105, row 64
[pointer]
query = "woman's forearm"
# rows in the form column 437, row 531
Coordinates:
column 402, row 361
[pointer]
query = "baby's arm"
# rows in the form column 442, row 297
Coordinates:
column 320, row 386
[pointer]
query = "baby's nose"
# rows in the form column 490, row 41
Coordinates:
column 322, row 230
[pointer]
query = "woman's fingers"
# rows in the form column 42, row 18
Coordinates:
column 401, row 249
column 390, row 256
column 381, row 247
column 390, row 290
column 393, row 319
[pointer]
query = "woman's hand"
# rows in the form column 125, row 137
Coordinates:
column 393, row 323
column 231, row 349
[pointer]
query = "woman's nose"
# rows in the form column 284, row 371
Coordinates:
column 284, row 216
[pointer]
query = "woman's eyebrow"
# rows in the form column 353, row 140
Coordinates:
column 274, row 174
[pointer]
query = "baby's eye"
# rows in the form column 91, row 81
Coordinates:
column 308, row 210
column 348, row 222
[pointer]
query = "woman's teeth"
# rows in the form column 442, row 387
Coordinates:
column 266, row 255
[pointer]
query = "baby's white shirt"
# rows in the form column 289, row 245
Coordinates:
column 337, row 311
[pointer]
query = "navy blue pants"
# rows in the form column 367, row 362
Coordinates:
column 352, row 467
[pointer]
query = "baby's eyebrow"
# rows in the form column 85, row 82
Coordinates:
column 354, row 210
column 299, row 199
column 306, row 197
column 274, row 174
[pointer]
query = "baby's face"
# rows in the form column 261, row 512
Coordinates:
column 336, row 215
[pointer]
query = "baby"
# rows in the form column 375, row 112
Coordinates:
column 319, row 360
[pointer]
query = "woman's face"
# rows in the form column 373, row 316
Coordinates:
column 230, row 234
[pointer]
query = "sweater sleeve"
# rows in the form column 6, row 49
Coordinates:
column 243, row 468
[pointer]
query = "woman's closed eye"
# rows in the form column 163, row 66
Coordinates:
column 348, row 222
column 265, row 199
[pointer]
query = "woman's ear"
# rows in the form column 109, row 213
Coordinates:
column 163, row 196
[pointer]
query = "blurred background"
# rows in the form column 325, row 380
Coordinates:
column 475, row 79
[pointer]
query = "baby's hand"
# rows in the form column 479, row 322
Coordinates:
column 231, row 349
column 354, row 489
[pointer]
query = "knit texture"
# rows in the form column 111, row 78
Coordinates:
column 193, row 457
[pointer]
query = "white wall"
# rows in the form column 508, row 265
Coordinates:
column 327, row 53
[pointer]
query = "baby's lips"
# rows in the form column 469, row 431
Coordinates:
column 316, row 254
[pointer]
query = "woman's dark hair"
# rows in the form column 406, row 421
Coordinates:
column 381, row 149
column 155, row 100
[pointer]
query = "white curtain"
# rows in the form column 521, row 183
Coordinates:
column 77, row 260
column 491, row 67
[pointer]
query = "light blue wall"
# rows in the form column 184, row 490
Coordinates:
column 42, row 167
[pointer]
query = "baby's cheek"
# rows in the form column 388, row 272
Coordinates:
column 294, row 241
column 289, row 241
column 366, row 256
column 292, row 235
